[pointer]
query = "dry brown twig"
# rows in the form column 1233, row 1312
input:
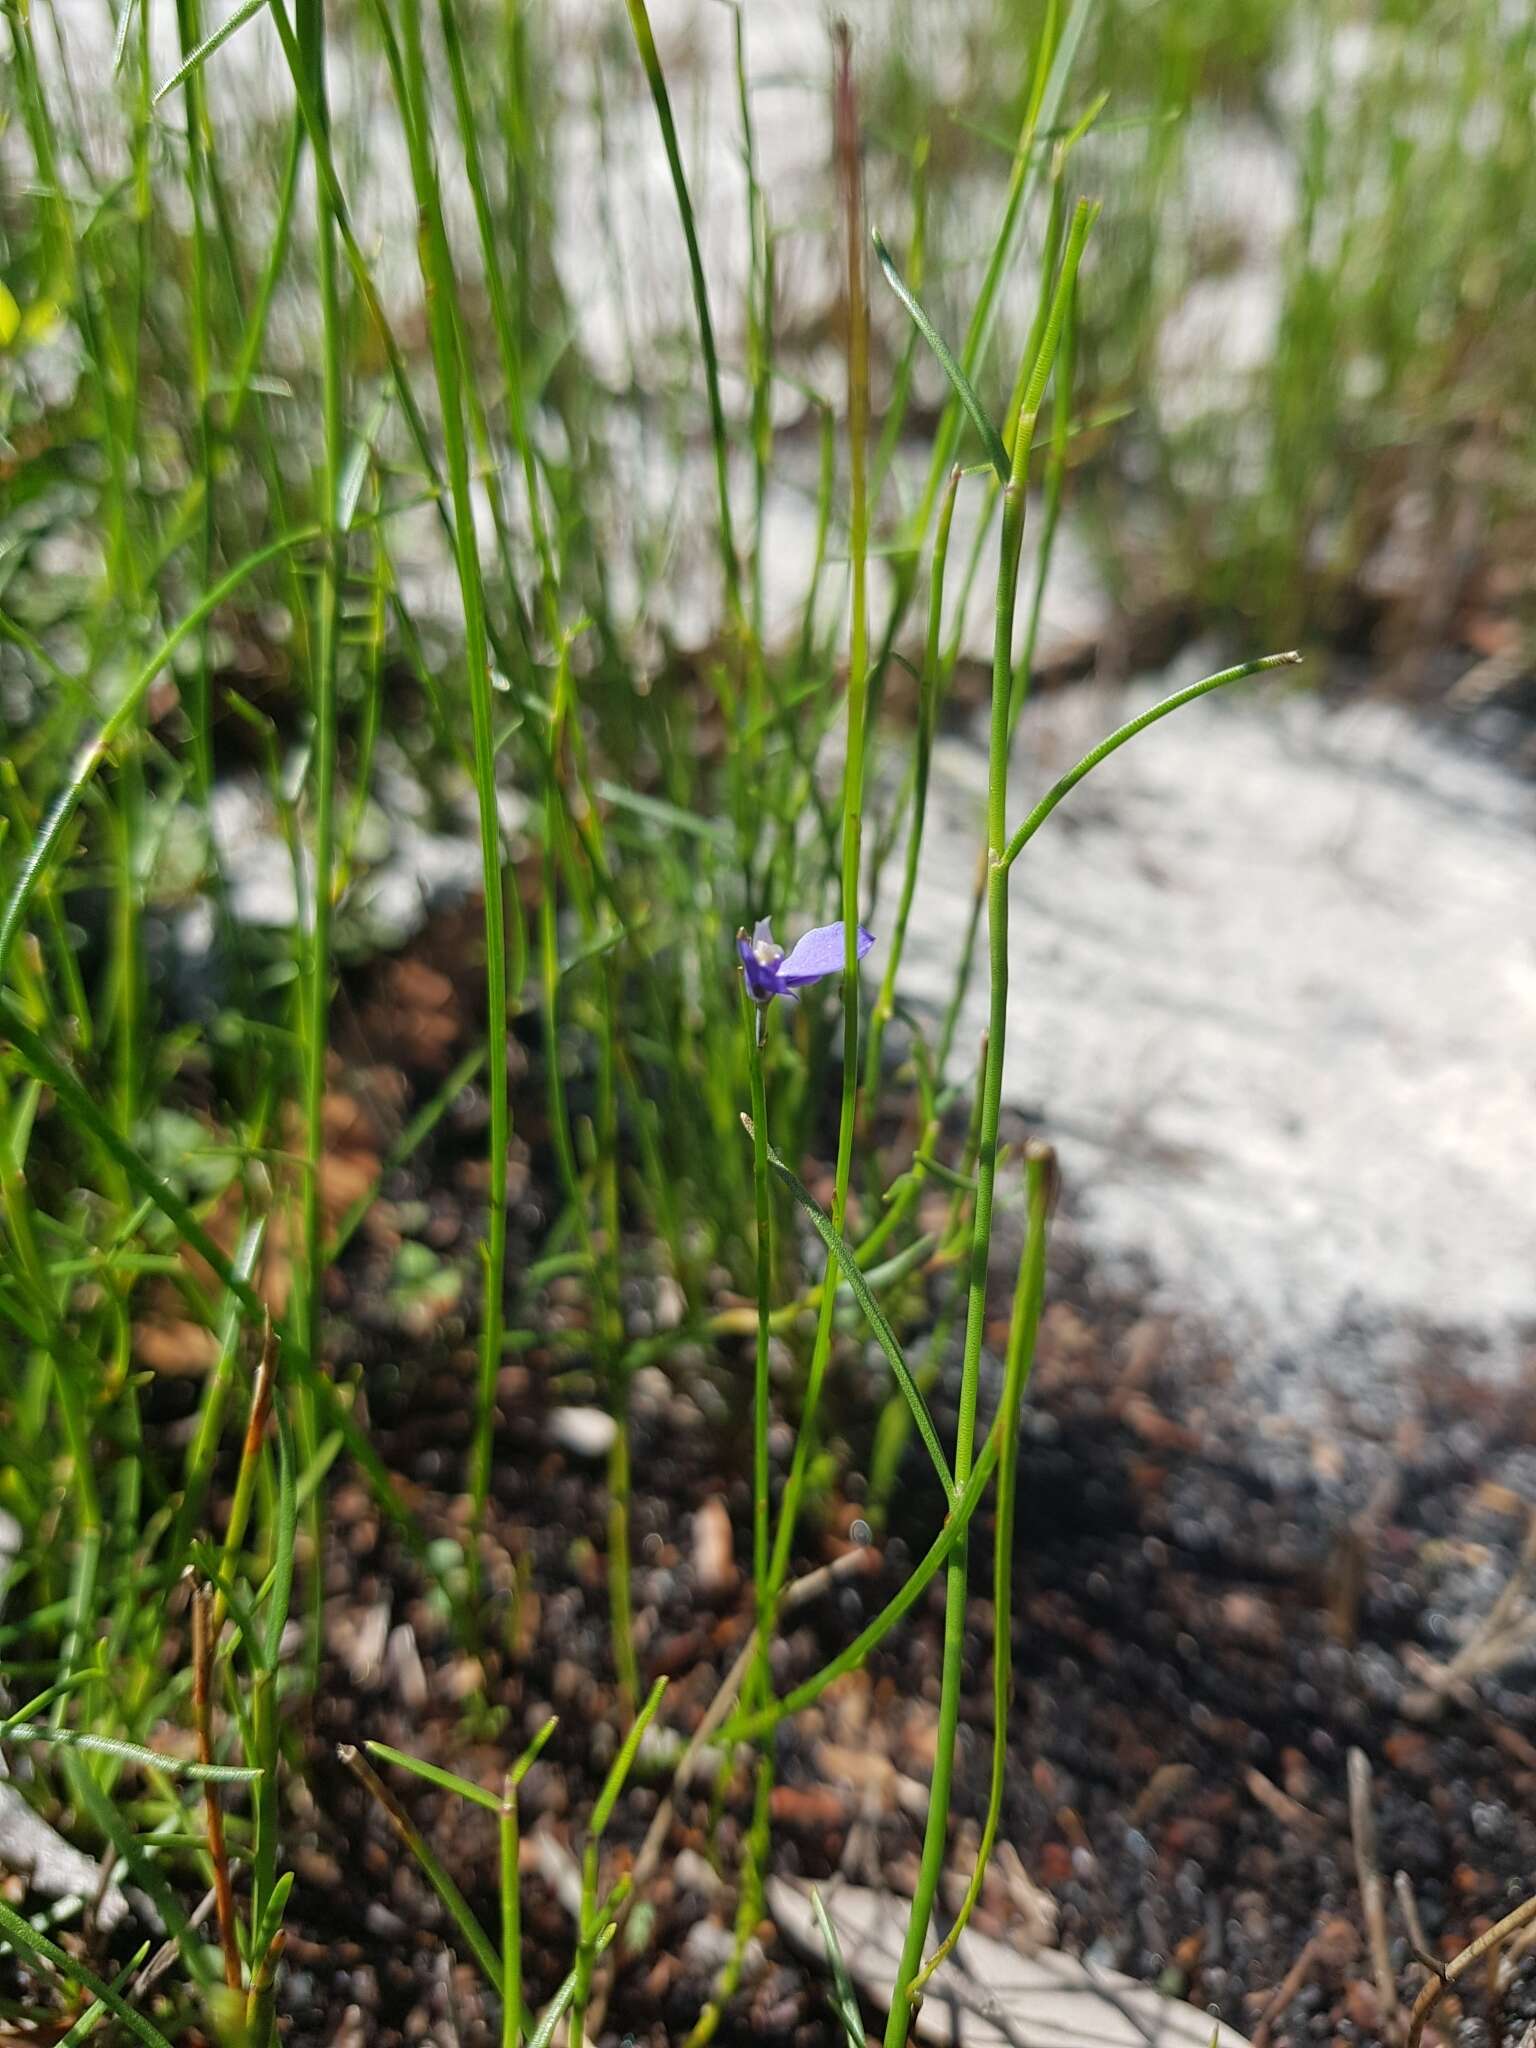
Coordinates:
column 1291, row 1984
column 213, row 1812
column 1486, row 1943
column 1289, row 1812
column 168, row 1953
column 1408, row 1906
column 1373, row 1893
column 1506, row 1632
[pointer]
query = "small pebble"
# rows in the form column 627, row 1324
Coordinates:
column 714, row 1565
column 585, row 1432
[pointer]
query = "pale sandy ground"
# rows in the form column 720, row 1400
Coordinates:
column 1274, row 994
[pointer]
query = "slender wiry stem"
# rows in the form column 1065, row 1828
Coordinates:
column 1128, row 731
column 447, row 356
column 927, row 718
column 755, row 1017
column 213, row 1812
column 1028, row 1295
column 645, row 45
column 957, row 1578
column 853, row 781
column 315, row 1035
column 511, row 1916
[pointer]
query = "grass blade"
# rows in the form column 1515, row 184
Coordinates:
column 845, row 2000
column 92, row 754
column 40, row 1948
column 131, row 1753
column 208, row 45
column 1128, row 731
column 963, row 388
column 447, row 1781
column 858, row 1285
column 474, row 1934
column 622, row 1764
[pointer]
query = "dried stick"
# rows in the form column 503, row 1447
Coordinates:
column 1418, row 1941
column 1373, row 1893
column 1436, row 1988
column 1505, row 1633
column 1291, row 1983
column 213, row 1812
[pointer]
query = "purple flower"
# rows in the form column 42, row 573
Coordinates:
column 771, row 972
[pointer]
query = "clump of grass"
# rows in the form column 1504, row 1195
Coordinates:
column 214, row 491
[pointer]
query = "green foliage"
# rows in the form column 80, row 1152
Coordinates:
column 316, row 515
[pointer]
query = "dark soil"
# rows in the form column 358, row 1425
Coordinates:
column 1210, row 1612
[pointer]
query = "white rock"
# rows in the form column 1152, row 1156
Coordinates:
column 585, row 1432
column 987, row 1995
column 1273, row 994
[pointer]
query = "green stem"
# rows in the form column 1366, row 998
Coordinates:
column 953, row 1680
column 1054, row 57
column 752, row 1726
column 1028, row 1295
column 620, row 1603
column 645, row 45
column 511, row 1917
column 853, row 787
column 315, row 1021
column 448, row 357
column 749, row 1909
column 755, row 1017
column 507, row 342
column 927, row 717
column 620, row 1599
column 957, row 1577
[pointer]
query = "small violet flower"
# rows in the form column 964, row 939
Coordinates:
column 771, row 972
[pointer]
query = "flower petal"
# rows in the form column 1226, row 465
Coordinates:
column 820, row 953
column 762, row 981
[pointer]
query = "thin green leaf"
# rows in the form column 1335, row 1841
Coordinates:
column 209, row 44
column 899, row 1264
column 313, row 1475
column 359, row 457
column 90, row 756
column 554, row 2013
column 474, row 1934
column 1128, row 731
column 120, row 40
column 845, row 2000
column 838, row 1246
column 964, row 1182
column 38, row 1946
column 449, row 1781
column 614, row 1783
column 753, row 1726
column 658, row 812
column 532, row 1753
column 280, row 1598
column 96, row 2012
column 132, row 1753
column 272, row 1918
column 964, row 390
